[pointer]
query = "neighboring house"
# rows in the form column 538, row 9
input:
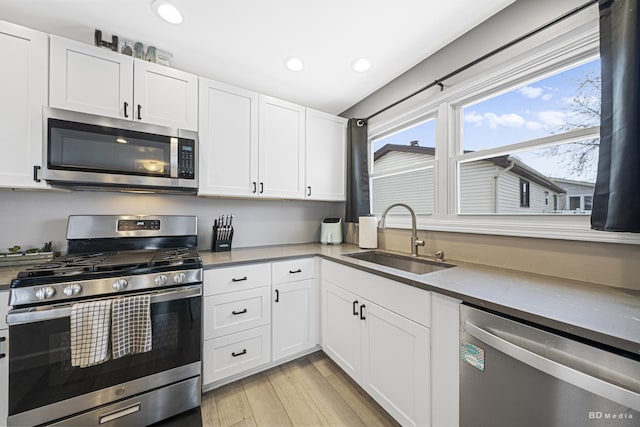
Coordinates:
column 578, row 197
column 501, row 184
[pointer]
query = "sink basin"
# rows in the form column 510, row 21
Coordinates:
column 404, row 263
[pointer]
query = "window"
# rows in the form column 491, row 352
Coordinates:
column 524, row 193
column 402, row 169
column 509, row 148
column 539, row 129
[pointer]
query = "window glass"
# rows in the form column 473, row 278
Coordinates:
column 524, row 181
column 564, row 101
column 402, row 169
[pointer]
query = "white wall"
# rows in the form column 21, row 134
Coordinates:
column 28, row 218
column 512, row 22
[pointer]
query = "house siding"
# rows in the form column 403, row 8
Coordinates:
column 414, row 188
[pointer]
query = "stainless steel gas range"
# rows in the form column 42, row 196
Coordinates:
column 150, row 262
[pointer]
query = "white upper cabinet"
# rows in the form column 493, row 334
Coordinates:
column 99, row 81
column 281, row 149
column 228, row 140
column 23, row 89
column 326, row 140
column 165, row 96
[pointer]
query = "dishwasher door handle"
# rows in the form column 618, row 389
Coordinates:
column 615, row 393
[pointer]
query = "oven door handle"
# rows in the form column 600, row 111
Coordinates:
column 37, row 314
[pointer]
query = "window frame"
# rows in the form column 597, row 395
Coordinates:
column 553, row 51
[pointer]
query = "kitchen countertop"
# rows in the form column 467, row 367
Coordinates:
column 603, row 314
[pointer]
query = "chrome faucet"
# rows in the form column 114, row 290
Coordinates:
column 414, row 233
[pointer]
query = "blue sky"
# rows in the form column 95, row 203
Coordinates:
column 531, row 111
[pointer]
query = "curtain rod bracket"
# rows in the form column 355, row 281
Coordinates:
column 439, row 83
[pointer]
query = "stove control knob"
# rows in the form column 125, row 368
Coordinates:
column 120, row 284
column 161, row 280
column 179, row 278
column 44, row 293
column 72, row 290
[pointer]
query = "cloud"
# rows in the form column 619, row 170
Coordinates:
column 552, row 119
column 510, row 120
column 493, row 120
column 547, row 97
column 533, row 125
column 473, row 117
column 530, row 92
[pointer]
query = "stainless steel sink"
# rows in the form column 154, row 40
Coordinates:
column 404, row 263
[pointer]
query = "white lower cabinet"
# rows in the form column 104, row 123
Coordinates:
column 4, row 359
column 385, row 352
column 232, row 354
column 293, row 321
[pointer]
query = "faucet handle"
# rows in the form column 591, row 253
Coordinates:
column 439, row 256
column 418, row 242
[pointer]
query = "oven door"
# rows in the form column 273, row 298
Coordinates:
column 43, row 386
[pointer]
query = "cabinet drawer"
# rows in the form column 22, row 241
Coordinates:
column 230, row 279
column 292, row 270
column 236, row 311
column 233, row 354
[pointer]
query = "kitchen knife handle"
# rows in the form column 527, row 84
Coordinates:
column 277, row 295
column 355, row 308
column 261, row 187
column 239, row 280
column 309, row 192
column 139, row 112
column 126, row 104
column 255, row 187
column 362, row 307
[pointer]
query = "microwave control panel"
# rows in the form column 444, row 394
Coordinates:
column 186, row 159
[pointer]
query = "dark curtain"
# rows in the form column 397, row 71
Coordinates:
column 357, row 171
column 616, row 202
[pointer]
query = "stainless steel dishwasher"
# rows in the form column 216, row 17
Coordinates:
column 515, row 374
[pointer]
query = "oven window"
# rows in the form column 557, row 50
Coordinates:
column 40, row 371
column 91, row 148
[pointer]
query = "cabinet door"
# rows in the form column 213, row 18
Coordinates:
column 90, row 79
column 294, row 318
column 4, row 375
column 281, row 149
column 395, row 364
column 165, row 96
column 326, row 140
column 23, row 92
column 228, row 140
column 341, row 328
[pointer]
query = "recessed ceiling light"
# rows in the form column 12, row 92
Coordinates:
column 166, row 11
column 294, row 64
column 361, row 65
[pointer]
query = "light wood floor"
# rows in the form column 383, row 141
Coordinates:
column 311, row 391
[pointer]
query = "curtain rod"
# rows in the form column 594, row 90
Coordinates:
column 438, row 82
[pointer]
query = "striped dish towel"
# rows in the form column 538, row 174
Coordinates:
column 131, row 325
column 90, row 333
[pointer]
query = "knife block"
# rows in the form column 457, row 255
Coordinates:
column 221, row 239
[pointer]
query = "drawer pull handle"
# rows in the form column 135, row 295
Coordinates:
column 239, row 280
column 355, row 308
column 295, row 271
column 235, row 313
column 277, row 295
column 239, row 354
column 362, row 307
column 3, row 354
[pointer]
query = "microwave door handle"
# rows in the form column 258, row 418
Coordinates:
column 174, row 142
column 615, row 393
column 29, row 315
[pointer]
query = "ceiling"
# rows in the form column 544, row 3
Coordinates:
column 245, row 42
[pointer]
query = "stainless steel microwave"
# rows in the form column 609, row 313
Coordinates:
column 85, row 151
